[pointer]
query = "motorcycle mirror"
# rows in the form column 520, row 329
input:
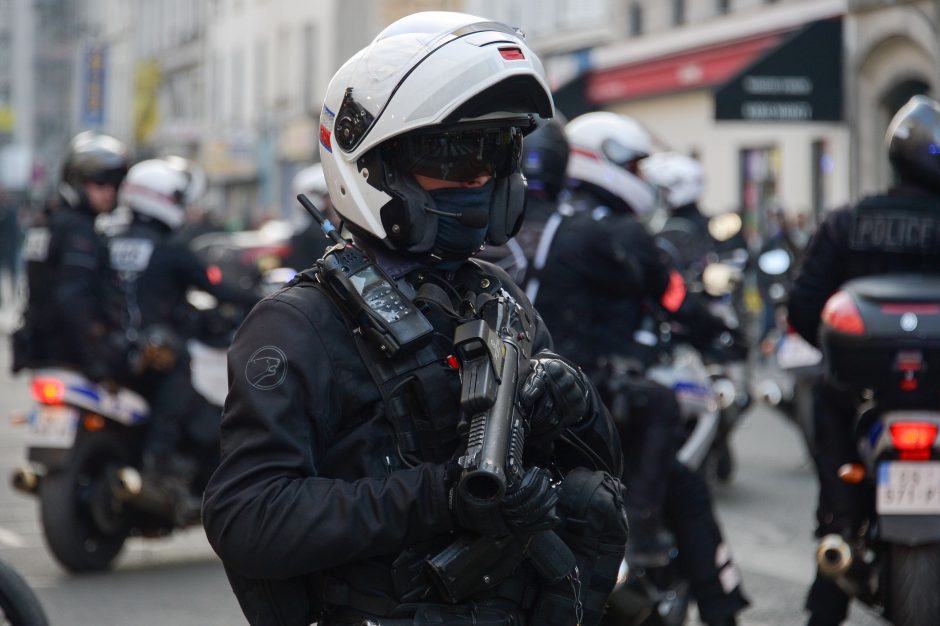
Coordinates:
column 774, row 262
column 725, row 226
column 719, row 279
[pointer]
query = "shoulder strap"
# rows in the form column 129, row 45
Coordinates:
column 534, row 270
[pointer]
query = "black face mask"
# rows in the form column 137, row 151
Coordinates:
column 456, row 240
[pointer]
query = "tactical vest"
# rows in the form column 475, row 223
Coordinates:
column 420, row 393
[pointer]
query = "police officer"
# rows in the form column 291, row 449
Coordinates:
column 896, row 231
column 154, row 271
column 336, row 486
column 680, row 181
column 602, row 269
column 67, row 321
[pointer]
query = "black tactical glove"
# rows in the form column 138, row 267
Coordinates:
column 529, row 505
column 556, row 395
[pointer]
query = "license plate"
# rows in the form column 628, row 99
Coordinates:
column 794, row 352
column 906, row 488
column 53, row 427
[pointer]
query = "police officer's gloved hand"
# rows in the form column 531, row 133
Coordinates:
column 555, row 394
column 529, row 504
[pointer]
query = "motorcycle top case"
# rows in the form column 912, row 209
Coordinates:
column 898, row 339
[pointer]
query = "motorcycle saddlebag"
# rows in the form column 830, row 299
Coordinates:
column 883, row 332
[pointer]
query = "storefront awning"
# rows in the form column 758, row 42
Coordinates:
column 693, row 69
column 800, row 80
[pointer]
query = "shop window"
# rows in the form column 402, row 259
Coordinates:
column 636, row 19
column 760, row 171
column 678, row 12
column 822, row 167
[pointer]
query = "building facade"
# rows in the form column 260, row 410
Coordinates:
column 785, row 101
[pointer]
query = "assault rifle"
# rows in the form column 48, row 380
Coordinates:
column 494, row 353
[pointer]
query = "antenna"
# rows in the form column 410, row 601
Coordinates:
column 325, row 224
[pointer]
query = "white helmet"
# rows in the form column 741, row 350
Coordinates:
column 386, row 111
column 605, row 151
column 197, row 177
column 680, row 177
column 157, row 190
column 310, row 180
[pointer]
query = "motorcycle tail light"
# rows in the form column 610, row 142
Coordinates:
column 914, row 437
column 48, row 390
column 841, row 315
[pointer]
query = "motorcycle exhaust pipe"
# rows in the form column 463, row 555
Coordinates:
column 770, row 392
column 130, row 488
column 25, row 480
column 833, row 556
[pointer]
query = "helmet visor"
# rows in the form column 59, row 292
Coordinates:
column 112, row 177
column 458, row 155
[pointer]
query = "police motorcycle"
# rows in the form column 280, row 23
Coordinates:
column 881, row 338
column 791, row 363
column 718, row 277
column 84, row 452
column 660, row 595
column 19, row 605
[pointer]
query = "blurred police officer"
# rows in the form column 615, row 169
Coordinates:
column 154, row 271
column 602, row 271
column 67, row 322
column 896, row 231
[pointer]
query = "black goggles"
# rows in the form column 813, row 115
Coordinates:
column 458, row 155
column 108, row 177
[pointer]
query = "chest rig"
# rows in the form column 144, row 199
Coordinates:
column 420, row 387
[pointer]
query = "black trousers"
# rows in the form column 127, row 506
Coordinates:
column 841, row 506
column 171, row 396
column 704, row 557
column 648, row 424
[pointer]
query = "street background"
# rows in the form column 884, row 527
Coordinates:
column 784, row 102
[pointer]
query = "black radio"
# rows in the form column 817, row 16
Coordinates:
column 383, row 314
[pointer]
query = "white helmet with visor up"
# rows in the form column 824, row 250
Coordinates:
column 443, row 95
column 157, row 190
column 606, row 150
column 679, row 176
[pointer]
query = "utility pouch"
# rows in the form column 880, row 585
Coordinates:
column 443, row 615
column 472, row 564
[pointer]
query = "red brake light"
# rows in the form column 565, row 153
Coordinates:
column 841, row 314
column 48, row 390
column 913, row 436
column 511, row 54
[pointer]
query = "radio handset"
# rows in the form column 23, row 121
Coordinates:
column 370, row 297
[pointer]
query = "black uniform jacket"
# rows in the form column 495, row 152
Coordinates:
column 894, row 232
column 310, row 479
column 155, row 269
column 70, row 291
column 601, row 267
